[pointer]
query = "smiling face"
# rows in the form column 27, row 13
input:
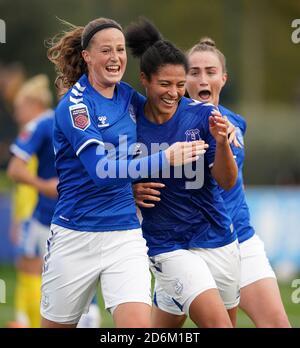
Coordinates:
column 206, row 77
column 165, row 89
column 106, row 58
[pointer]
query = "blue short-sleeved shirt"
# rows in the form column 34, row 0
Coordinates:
column 184, row 218
column 85, row 117
column 36, row 138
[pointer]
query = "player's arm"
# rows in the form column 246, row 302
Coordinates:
column 95, row 159
column 18, row 171
column 224, row 168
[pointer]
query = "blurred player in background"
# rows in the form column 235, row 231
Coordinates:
column 24, row 201
column 192, row 247
column 32, row 167
column 33, row 145
column 260, row 296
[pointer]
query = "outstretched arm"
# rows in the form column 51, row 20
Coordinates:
column 224, row 169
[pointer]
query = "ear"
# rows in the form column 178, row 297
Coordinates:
column 224, row 79
column 86, row 56
column 143, row 79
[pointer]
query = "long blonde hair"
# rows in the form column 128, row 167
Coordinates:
column 37, row 89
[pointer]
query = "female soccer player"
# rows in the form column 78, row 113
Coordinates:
column 95, row 234
column 33, row 145
column 192, row 247
column 260, row 296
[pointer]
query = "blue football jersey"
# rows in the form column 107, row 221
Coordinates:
column 36, row 138
column 184, row 218
column 85, row 117
column 234, row 198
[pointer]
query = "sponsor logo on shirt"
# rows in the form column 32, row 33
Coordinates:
column 102, row 122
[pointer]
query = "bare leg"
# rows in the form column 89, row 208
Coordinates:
column 48, row 324
column 208, row 311
column 30, row 265
column 262, row 303
column 232, row 315
column 132, row 315
column 162, row 319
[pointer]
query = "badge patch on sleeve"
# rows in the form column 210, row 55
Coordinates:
column 80, row 116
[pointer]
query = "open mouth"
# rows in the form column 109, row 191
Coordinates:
column 169, row 102
column 113, row 69
column 204, row 94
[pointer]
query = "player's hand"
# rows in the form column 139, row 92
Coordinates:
column 232, row 134
column 47, row 187
column 218, row 126
column 148, row 191
column 182, row 153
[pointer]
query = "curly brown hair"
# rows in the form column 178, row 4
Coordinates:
column 64, row 51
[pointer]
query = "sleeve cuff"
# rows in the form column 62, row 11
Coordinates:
column 16, row 151
column 88, row 142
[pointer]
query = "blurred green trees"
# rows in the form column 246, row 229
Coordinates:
column 255, row 36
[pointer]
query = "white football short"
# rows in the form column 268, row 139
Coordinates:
column 182, row 275
column 33, row 238
column 76, row 262
column 255, row 264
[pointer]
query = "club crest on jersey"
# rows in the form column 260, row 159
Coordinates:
column 80, row 116
column 24, row 136
column 192, row 135
column 102, row 120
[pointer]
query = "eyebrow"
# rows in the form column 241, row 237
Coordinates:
column 197, row 68
column 168, row 81
column 111, row 45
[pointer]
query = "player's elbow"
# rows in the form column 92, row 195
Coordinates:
column 11, row 171
column 228, row 184
column 230, row 180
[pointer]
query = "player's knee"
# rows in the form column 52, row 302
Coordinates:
column 218, row 323
column 280, row 320
column 134, row 323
